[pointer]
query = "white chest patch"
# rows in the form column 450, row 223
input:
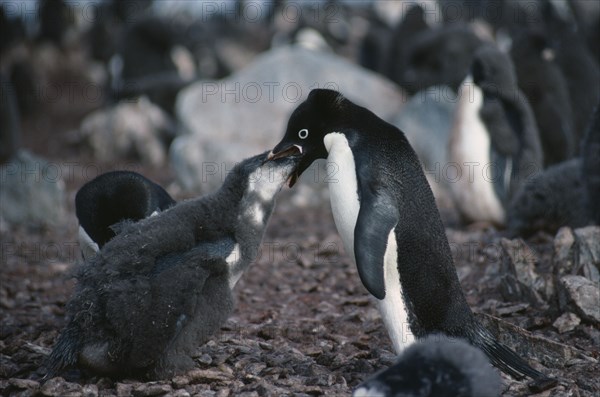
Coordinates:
column 267, row 180
column 343, row 191
column 255, row 214
column 473, row 189
column 232, row 260
column 343, row 187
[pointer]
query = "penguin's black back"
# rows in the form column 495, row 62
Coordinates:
column 114, row 197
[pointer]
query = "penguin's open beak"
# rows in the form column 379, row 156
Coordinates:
column 289, row 151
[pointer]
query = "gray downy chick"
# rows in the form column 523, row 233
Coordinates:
column 163, row 285
column 436, row 366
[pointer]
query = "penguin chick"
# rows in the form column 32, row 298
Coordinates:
column 111, row 198
column 163, row 285
column 436, row 366
column 494, row 139
column 566, row 194
column 386, row 215
column 553, row 198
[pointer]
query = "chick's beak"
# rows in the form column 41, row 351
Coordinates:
column 281, row 151
column 286, row 152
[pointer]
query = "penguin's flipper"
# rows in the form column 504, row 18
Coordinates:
column 376, row 218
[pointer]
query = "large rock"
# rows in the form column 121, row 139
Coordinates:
column 520, row 280
column 32, row 192
column 223, row 122
column 588, row 252
column 578, row 252
column 581, row 295
column 131, row 127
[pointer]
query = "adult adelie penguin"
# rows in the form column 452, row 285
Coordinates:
column 163, row 285
column 494, row 139
column 386, row 215
column 111, row 198
column 437, row 366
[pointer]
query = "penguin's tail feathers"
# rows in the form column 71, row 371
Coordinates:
column 508, row 361
column 64, row 354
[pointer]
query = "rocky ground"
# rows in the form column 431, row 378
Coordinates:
column 303, row 324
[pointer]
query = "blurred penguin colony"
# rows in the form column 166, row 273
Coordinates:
column 496, row 96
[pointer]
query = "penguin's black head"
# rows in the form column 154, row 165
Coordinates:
column 493, row 70
column 308, row 125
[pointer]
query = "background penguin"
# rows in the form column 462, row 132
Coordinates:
column 408, row 28
column 565, row 194
column 581, row 71
column 385, row 213
column 544, row 85
column 437, row 366
column 10, row 122
column 112, row 198
column 437, row 57
column 147, row 65
column 495, row 132
column 163, row 285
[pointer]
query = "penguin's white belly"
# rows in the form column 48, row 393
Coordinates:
column 474, row 189
column 343, row 192
column 392, row 307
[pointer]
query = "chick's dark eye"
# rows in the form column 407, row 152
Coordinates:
column 303, row 133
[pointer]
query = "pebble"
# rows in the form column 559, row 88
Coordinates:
column 124, row 389
column 180, row 382
column 24, row 383
column 89, row 391
column 207, row 376
column 58, row 387
column 566, row 322
column 150, row 390
column 179, row 393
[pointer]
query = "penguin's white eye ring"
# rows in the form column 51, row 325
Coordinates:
column 303, row 133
